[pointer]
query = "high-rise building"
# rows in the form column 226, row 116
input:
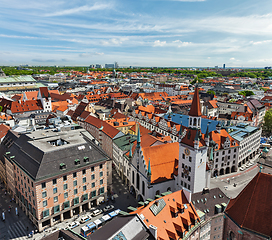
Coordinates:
column 109, row 65
column 224, row 66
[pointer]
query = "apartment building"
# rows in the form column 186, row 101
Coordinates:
column 54, row 174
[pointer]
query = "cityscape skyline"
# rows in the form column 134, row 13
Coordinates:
column 143, row 33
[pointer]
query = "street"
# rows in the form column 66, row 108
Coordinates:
column 240, row 179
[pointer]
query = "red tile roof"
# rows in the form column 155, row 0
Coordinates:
column 165, row 220
column 3, row 130
column 252, row 208
column 107, row 129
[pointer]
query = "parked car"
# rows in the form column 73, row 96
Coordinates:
column 85, row 218
column 96, row 212
column 73, row 225
column 107, row 208
column 242, row 168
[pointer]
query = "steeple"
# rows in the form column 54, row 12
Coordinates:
column 130, row 152
column 195, row 107
column 195, row 112
column 139, row 138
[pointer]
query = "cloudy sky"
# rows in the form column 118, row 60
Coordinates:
column 138, row 33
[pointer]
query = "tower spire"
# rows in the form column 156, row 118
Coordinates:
column 139, row 138
column 195, row 107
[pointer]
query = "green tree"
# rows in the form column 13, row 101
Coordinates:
column 267, row 126
column 246, row 93
column 211, row 92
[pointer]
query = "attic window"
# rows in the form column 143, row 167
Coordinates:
column 86, row 159
column 77, row 162
column 62, row 166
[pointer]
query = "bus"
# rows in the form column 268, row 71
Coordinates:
column 88, row 229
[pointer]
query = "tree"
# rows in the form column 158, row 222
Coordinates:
column 246, row 93
column 211, row 92
column 268, row 121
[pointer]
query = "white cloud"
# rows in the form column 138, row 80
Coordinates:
column 159, row 43
column 91, row 54
column 179, row 43
column 81, row 9
column 232, row 59
column 16, row 36
column 260, row 42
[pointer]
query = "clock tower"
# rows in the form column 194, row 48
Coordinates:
column 192, row 151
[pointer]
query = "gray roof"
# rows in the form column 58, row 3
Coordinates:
column 204, row 201
column 17, row 79
column 129, row 226
column 39, row 159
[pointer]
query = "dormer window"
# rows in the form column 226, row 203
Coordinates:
column 77, row 162
column 62, row 166
column 86, row 159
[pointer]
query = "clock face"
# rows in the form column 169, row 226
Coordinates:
column 187, row 151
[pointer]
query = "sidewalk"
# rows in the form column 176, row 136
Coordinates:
column 237, row 174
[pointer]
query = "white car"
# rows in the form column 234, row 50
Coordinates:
column 96, row 212
column 242, row 168
column 73, row 225
column 85, row 219
column 107, row 208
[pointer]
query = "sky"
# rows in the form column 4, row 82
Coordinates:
column 148, row 33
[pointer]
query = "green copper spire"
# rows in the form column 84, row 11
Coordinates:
column 130, row 151
column 139, row 137
column 149, row 169
column 211, row 154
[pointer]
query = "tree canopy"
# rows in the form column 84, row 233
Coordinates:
column 246, row 93
column 211, row 92
column 268, row 121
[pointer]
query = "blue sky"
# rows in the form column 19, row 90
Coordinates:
column 138, row 33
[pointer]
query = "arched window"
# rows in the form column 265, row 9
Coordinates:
column 231, row 235
column 138, row 181
column 133, row 177
column 143, row 188
column 194, row 121
column 158, row 192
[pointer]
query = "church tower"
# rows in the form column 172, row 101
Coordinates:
column 193, row 146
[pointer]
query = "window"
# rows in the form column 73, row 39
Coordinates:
column 54, row 181
column 189, row 178
column 181, row 183
column 75, row 191
column 74, row 174
column 190, row 159
column 46, row 213
column 101, row 174
column 56, row 209
column 75, row 183
column 101, row 190
column 223, row 153
column 56, row 199
column 93, row 185
column 92, row 169
column 93, row 193
column 84, row 188
column 84, row 180
column 83, row 171
column 44, row 194
column 43, row 185
column 93, row 176
column 85, row 197
column 65, row 186
column 183, row 156
column 65, row 178
column 76, row 200
column 55, row 190
column 101, row 181
column 189, row 186
column 101, row 166
column 66, row 204
column 65, row 195
column 44, row 203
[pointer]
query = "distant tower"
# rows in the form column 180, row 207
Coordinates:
column 224, row 66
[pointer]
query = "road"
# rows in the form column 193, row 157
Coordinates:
column 240, row 178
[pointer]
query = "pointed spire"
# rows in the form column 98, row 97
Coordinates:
column 195, row 107
column 149, row 169
column 139, row 137
column 211, row 154
column 130, row 151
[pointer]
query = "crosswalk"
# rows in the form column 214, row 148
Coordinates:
column 17, row 231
